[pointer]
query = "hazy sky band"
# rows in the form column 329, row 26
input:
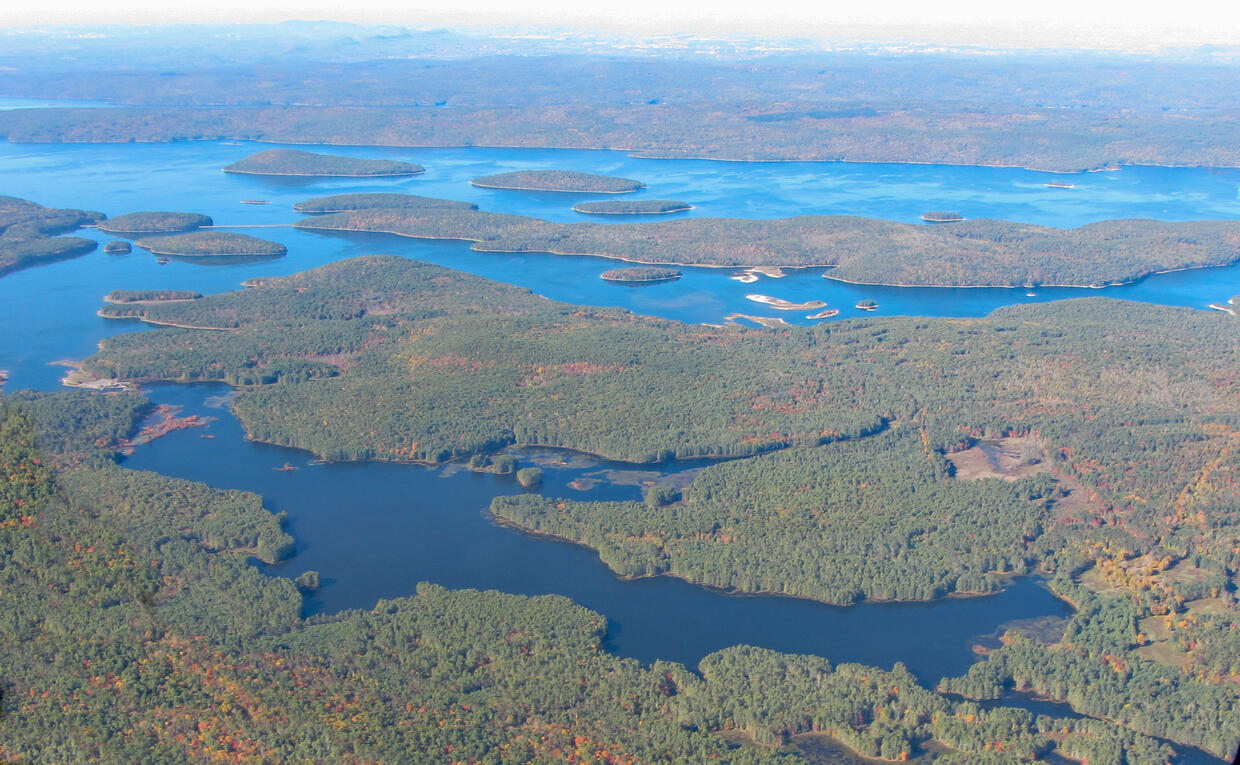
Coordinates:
column 1056, row 23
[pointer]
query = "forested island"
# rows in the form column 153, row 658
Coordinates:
column 118, row 247
column 154, row 223
column 941, row 216
column 298, row 162
column 377, row 201
column 149, row 296
column 640, row 274
column 631, row 207
column 212, row 244
column 28, row 234
column 848, row 427
column 559, row 180
column 863, row 250
column 129, row 601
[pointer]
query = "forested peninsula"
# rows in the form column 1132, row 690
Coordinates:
column 559, row 180
column 297, row 162
column 134, row 630
column 212, row 244
column 28, row 234
column 864, row 250
column 1129, row 414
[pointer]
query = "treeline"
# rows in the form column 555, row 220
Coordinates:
column 968, row 253
column 27, row 234
column 297, row 162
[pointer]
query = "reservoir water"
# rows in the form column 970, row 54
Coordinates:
column 374, row 530
column 48, row 311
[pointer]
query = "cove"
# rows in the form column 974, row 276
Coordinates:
column 374, row 530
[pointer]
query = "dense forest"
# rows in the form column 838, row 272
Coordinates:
column 970, row 253
column 211, row 244
column 878, row 517
column 559, row 180
column 134, row 630
column 1007, row 110
column 297, row 162
column 154, row 223
column 28, row 234
column 1127, row 453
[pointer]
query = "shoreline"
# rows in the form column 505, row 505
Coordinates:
column 157, row 323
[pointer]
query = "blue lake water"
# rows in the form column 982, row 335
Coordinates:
column 375, row 530
column 48, row 311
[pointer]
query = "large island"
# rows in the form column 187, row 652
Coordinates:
column 975, row 253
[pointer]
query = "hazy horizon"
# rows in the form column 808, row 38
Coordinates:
column 1055, row 24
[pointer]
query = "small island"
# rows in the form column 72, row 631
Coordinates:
column 641, row 275
column 631, row 207
column 940, row 216
column 867, row 305
column 786, row 305
column 117, row 247
column 354, row 202
column 149, row 296
column 297, row 162
column 154, row 223
column 212, row 244
column 559, row 180
column 827, row 314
